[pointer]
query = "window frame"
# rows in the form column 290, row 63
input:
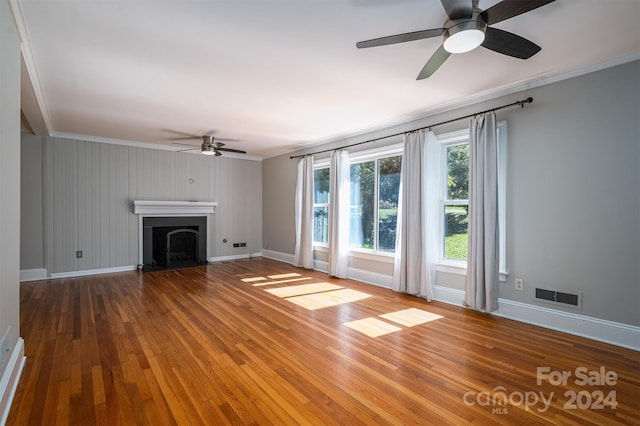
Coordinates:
column 460, row 137
column 375, row 155
column 317, row 167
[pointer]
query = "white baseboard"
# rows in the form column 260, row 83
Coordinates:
column 10, row 378
column 368, row 277
column 615, row 333
column 234, row 257
column 86, row 272
column 277, row 255
column 33, row 274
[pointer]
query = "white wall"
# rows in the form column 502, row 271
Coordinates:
column 573, row 193
column 11, row 361
column 89, row 189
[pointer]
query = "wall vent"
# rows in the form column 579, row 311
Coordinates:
column 558, row 297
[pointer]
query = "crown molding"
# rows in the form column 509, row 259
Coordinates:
column 30, row 62
column 147, row 145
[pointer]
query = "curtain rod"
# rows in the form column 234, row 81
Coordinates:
column 520, row 103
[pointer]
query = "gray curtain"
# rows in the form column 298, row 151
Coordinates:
column 303, row 254
column 417, row 225
column 481, row 286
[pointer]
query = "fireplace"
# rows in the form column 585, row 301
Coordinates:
column 173, row 234
column 174, row 242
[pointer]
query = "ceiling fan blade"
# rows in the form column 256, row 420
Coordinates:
column 218, row 144
column 509, row 44
column 183, row 144
column 217, row 152
column 232, row 150
column 178, row 132
column 185, row 138
column 509, row 8
column 400, row 38
column 432, row 65
column 458, row 9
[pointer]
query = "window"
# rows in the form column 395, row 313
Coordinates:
column 374, row 203
column 320, row 205
column 455, row 195
column 456, row 201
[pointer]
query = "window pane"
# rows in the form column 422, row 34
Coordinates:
column 458, row 172
column 320, row 224
column 321, row 186
column 362, row 204
column 456, row 225
column 389, row 184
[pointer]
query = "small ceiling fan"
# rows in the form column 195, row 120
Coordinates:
column 209, row 145
column 466, row 28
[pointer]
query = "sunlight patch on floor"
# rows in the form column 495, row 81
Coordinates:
column 329, row 298
column 279, row 276
column 298, row 290
column 253, row 279
column 282, row 281
column 411, row 317
column 372, row 327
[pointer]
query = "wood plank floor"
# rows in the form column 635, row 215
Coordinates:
column 212, row 346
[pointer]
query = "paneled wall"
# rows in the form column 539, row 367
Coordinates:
column 89, row 189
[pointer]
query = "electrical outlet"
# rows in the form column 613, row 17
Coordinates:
column 243, row 244
column 519, row 284
column 79, row 254
column 236, row 245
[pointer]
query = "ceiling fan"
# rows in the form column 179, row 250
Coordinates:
column 209, row 145
column 466, row 28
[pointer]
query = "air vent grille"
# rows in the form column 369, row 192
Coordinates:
column 570, row 299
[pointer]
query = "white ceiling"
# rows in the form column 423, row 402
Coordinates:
column 279, row 75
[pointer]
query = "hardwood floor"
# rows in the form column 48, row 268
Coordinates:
column 212, row 346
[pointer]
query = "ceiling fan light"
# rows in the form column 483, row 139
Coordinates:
column 464, row 37
column 207, row 149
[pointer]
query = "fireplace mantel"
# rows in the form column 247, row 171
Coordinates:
column 183, row 208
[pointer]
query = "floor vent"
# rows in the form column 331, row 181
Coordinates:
column 569, row 299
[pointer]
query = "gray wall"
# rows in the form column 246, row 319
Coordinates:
column 89, row 189
column 573, row 192
column 9, row 181
column 31, row 232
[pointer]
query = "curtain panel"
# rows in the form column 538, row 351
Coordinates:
column 339, row 214
column 303, row 252
column 481, row 285
column 417, row 236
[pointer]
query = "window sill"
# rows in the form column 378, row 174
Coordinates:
column 371, row 255
column 460, row 268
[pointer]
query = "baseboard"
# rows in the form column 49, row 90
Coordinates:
column 615, row 333
column 86, row 272
column 234, row 257
column 33, row 274
column 368, row 277
column 10, row 378
column 277, row 255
